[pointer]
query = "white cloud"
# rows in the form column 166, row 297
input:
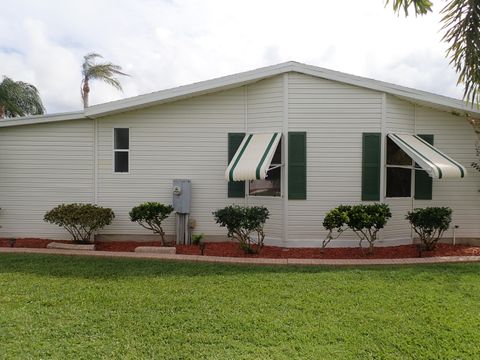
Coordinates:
column 168, row 43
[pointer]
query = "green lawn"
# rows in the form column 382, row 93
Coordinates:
column 74, row 308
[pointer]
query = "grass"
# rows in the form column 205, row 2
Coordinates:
column 85, row 308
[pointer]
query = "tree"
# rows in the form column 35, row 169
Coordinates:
column 461, row 24
column 18, row 98
column 105, row 72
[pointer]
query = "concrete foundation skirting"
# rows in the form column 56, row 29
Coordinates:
column 58, row 245
column 156, row 249
column 151, row 237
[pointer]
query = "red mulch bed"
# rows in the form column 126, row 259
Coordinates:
column 389, row 252
column 29, row 243
column 232, row 249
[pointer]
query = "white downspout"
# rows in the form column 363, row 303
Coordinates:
column 285, row 160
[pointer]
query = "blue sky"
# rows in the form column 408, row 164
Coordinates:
column 163, row 44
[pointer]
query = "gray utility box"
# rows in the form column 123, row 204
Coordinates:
column 182, row 192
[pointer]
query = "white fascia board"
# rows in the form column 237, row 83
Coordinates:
column 39, row 119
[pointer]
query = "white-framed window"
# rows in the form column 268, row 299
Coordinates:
column 272, row 184
column 400, row 169
column 121, row 150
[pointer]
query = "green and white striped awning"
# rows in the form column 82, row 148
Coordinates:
column 253, row 157
column 428, row 157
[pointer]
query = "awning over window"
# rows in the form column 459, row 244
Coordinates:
column 428, row 157
column 253, row 157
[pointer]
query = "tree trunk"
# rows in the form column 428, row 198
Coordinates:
column 2, row 111
column 85, row 91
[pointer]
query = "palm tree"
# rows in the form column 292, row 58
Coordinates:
column 18, row 98
column 461, row 26
column 92, row 71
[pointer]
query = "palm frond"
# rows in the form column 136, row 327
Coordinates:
column 20, row 98
column 89, row 61
column 105, row 72
column 461, row 23
column 420, row 7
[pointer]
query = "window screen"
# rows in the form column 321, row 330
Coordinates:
column 121, row 149
column 399, row 171
column 272, row 184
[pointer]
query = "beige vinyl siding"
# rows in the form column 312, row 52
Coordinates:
column 334, row 115
column 398, row 229
column 181, row 140
column 454, row 136
column 42, row 166
column 265, row 105
column 265, row 114
column 399, row 118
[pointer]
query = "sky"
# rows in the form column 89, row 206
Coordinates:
column 163, row 44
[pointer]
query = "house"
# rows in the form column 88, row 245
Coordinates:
column 296, row 138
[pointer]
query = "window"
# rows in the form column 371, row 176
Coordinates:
column 399, row 171
column 121, row 149
column 271, row 185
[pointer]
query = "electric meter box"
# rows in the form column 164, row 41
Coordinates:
column 182, row 193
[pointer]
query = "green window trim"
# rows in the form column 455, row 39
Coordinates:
column 236, row 189
column 297, row 165
column 371, row 165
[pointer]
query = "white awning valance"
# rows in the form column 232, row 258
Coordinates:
column 428, row 157
column 253, row 157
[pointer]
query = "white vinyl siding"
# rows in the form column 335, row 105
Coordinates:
column 47, row 164
column 399, row 116
column 265, row 114
column 265, row 105
column 187, row 139
column 334, row 115
column 454, row 136
column 42, row 166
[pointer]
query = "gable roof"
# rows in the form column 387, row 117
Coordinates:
column 231, row 81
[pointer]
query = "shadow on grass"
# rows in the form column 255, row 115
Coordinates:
column 92, row 267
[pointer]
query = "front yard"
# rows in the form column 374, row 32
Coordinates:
column 72, row 307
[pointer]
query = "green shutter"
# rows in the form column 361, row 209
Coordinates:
column 297, row 165
column 236, row 189
column 423, row 182
column 371, row 152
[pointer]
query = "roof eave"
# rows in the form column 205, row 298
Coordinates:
column 421, row 97
column 186, row 91
column 39, row 119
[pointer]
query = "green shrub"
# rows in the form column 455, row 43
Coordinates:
column 364, row 220
column 197, row 239
column 335, row 222
column 80, row 220
column 150, row 216
column 430, row 223
column 244, row 224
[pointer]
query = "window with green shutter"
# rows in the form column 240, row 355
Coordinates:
column 423, row 181
column 297, row 165
column 371, row 155
column 236, row 189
